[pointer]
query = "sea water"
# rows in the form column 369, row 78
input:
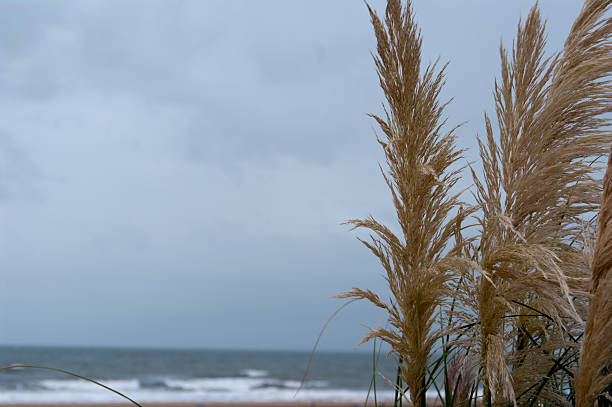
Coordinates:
column 189, row 375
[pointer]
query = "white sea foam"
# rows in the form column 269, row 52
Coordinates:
column 295, row 384
column 254, row 372
column 216, row 384
column 84, row 386
column 195, row 396
column 191, row 390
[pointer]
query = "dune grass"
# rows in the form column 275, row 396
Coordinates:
column 507, row 300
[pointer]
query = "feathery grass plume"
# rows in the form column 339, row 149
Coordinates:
column 537, row 186
column 417, row 264
column 595, row 371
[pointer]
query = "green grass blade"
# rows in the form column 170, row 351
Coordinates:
column 437, row 388
column 397, row 400
column 372, row 380
column 375, row 364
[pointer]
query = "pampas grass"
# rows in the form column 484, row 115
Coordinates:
column 418, row 173
column 512, row 297
column 538, row 184
column 595, row 372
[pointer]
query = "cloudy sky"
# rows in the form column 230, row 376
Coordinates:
column 174, row 173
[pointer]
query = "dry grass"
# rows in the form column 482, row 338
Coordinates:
column 519, row 289
column 595, row 372
column 418, row 174
column 537, row 185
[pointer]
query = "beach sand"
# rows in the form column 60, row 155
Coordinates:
column 195, row 404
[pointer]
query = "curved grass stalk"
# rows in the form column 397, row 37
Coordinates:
column 73, row 375
column 314, row 348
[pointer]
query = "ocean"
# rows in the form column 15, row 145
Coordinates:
column 148, row 375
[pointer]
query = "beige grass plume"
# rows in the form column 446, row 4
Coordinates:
column 537, row 185
column 418, row 159
column 595, row 371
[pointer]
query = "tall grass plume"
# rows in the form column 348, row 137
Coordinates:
column 418, row 158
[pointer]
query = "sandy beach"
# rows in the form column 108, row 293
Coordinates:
column 184, row 404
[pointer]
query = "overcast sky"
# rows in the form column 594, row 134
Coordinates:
column 174, row 173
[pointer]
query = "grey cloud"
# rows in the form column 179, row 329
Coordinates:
column 239, row 75
column 24, row 25
column 20, row 176
column 189, row 163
